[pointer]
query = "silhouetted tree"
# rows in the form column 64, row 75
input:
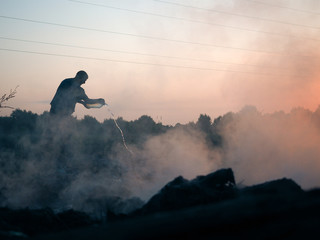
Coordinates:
column 6, row 98
column 204, row 124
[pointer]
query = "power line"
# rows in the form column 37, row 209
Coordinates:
column 144, row 36
column 191, row 20
column 238, row 15
column 134, row 53
column 284, row 7
column 144, row 63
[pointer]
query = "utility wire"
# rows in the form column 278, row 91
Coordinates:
column 284, row 7
column 135, row 53
column 238, row 15
column 145, row 63
column 145, row 36
column 192, row 20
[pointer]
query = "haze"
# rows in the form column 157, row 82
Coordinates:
column 262, row 53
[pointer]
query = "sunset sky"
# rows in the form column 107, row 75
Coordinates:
column 170, row 59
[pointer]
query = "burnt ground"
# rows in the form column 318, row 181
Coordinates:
column 207, row 207
column 260, row 218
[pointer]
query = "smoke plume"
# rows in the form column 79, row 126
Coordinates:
column 262, row 147
column 72, row 164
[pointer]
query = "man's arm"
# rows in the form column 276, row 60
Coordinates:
column 86, row 101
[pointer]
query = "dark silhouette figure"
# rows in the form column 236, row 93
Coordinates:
column 69, row 93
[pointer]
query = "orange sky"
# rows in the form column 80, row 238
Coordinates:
column 250, row 53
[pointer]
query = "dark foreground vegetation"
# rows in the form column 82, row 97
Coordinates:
column 73, row 179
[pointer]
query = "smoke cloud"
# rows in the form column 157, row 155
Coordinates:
column 262, row 147
column 68, row 163
column 181, row 151
column 71, row 164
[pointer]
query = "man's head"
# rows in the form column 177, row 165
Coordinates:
column 82, row 77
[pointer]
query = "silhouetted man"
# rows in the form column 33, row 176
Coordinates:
column 69, row 93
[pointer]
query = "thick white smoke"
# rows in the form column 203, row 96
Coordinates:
column 61, row 170
column 262, row 147
column 181, row 151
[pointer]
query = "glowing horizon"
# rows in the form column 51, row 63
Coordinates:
column 170, row 62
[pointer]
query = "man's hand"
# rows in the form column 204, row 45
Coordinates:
column 101, row 101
